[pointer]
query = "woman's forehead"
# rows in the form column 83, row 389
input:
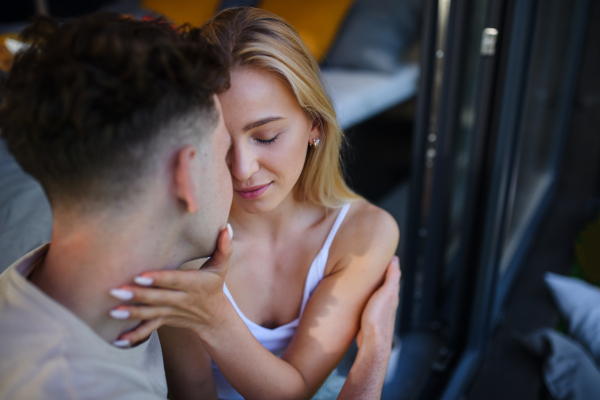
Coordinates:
column 256, row 94
column 252, row 83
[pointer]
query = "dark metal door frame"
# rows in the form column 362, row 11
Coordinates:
column 501, row 81
column 491, row 293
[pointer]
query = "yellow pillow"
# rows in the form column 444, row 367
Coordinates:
column 194, row 12
column 6, row 57
column 317, row 21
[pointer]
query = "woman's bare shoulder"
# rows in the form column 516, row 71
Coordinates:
column 367, row 231
column 365, row 217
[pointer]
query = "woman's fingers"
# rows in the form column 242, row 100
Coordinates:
column 377, row 321
column 180, row 298
column 188, row 280
column 167, row 279
column 392, row 276
column 388, row 292
column 148, row 296
column 140, row 312
column 141, row 332
column 219, row 262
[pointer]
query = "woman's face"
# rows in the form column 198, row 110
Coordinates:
column 270, row 135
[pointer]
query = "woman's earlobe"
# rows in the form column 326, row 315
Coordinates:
column 316, row 132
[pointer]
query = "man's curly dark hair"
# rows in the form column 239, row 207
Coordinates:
column 91, row 100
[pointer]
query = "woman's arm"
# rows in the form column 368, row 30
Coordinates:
column 187, row 365
column 361, row 250
column 366, row 377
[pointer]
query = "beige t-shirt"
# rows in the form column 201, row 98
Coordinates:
column 46, row 352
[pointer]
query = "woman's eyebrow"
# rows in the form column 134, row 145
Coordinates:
column 263, row 121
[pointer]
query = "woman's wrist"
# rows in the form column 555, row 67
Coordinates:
column 367, row 375
column 376, row 344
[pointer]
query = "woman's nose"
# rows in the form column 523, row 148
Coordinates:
column 243, row 162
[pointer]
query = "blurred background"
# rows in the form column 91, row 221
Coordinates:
column 476, row 124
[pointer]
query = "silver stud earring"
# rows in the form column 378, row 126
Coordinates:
column 315, row 143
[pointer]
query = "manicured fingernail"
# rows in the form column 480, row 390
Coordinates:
column 143, row 280
column 119, row 314
column 230, row 230
column 396, row 259
column 122, row 343
column 121, row 294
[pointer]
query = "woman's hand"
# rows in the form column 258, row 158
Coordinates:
column 379, row 316
column 183, row 299
column 367, row 375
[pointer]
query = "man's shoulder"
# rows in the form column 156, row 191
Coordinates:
column 61, row 377
column 23, row 378
column 57, row 367
column 23, row 311
column 54, row 352
column 31, row 347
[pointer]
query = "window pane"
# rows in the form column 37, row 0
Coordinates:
column 537, row 136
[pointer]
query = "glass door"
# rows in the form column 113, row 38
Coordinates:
column 494, row 103
column 539, row 131
column 530, row 106
column 451, row 137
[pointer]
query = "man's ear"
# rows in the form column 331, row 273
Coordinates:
column 186, row 179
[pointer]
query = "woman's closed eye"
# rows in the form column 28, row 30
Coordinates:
column 268, row 141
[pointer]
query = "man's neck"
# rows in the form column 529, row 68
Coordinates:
column 84, row 262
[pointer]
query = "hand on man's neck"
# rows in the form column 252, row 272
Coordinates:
column 89, row 255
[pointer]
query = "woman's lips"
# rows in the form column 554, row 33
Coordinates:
column 253, row 192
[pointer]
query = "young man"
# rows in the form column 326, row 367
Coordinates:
column 119, row 122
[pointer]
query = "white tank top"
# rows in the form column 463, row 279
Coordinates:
column 276, row 340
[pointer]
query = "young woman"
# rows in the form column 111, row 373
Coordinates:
column 308, row 251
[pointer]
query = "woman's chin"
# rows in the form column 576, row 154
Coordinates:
column 255, row 206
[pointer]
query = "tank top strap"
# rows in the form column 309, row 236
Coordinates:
column 316, row 272
column 234, row 304
column 336, row 226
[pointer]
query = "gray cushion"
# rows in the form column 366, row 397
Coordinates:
column 25, row 214
column 579, row 303
column 569, row 372
column 375, row 34
column 358, row 95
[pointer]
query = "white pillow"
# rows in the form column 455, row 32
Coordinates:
column 579, row 303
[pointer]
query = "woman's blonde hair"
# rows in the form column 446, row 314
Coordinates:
column 255, row 38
